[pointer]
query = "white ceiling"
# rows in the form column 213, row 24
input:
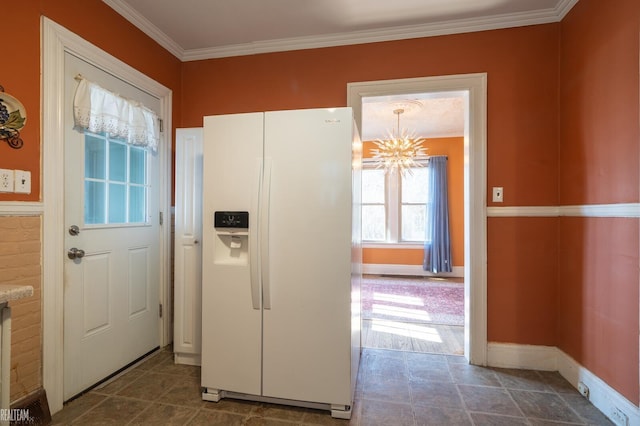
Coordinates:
column 426, row 115
column 204, row 29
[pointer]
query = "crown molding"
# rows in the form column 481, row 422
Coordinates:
column 564, row 7
column 458, row 26
column 146, row 26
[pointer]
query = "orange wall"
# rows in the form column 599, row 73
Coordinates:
column 522, row 67
column 599, row 148
column 20, row 75
column 599, row 164
column 598, row 298
column 453, row 148
column 522, row 280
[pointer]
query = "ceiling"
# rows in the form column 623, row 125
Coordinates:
column 425, row 115
column 205, row 29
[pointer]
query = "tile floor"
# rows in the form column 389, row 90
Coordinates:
column 394, row 389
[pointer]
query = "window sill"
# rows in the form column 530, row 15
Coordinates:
column 381, row 245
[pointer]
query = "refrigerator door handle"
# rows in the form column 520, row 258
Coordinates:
column 264, row 233
column 254, row 258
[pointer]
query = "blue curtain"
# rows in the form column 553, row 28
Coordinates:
column 437, row 246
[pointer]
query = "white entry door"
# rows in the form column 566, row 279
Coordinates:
column 111, row 285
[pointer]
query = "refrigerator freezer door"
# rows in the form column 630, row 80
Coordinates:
column 231, row 327
column 307, row 333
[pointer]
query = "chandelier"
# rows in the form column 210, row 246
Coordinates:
column 399, row 151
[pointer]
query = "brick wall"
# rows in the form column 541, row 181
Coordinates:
column 21, row 263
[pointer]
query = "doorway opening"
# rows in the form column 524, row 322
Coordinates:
column 470, row 271
column 412, row 309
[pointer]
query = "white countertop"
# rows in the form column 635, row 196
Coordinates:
column 9, row 292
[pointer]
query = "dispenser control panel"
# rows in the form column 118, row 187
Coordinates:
column 231, row 220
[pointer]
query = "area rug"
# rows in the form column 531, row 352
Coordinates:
column 414, row 300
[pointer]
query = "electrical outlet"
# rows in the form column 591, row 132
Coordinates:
column 6, row 180
column 619, row 417
column 583, row 389
column 22, row 182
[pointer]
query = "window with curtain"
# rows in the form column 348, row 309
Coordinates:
column 393, row 205
column 119, row 136
column 98, row 110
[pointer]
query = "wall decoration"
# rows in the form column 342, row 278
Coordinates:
column 12, row 118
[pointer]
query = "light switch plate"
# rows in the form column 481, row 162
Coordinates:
column 498, row 194
column 6, row 180
column 22, row 182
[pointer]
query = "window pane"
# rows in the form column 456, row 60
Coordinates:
column 137, row 208
column 373, row 220
column 117, row 162
column 94, row 157
column 413, row 222
column 115, row 184
column 94, row 202
column 373, row 186
column 415, row 187
column 117, row 203
column 137, row 169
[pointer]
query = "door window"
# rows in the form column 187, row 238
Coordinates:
column 115, row 181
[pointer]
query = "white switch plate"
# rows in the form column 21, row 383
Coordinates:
column 498, row 194
column 6, row 180
column 22, row 182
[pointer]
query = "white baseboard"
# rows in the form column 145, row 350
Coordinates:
column 550, row 358
column 601, row 395
column 509, row 355
column 187, row 359
column 389, row 269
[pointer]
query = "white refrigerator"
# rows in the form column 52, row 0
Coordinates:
column 282, row 258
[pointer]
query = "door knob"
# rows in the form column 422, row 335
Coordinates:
column 75, row 253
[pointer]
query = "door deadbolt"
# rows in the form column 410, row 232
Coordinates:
column 74, row 230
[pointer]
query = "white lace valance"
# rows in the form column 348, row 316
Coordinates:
column 99, row 110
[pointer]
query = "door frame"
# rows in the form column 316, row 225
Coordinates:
column 475, row 187
column 55, row 42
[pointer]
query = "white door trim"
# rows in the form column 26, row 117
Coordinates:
column 55, row 42
column 475, row 178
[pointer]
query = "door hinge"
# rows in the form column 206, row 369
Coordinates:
column 161, row 125
column 160, row 310
column 161, row 218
